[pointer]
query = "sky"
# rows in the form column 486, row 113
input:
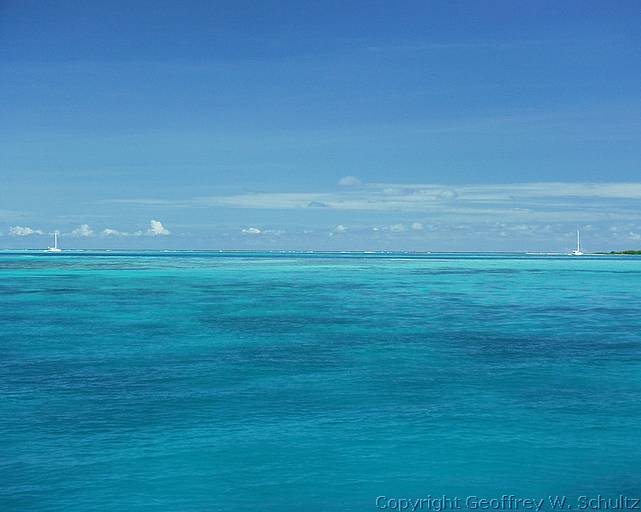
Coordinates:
column 351, row 125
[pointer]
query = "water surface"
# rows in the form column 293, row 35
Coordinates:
column 315, row 382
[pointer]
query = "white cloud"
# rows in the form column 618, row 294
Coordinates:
column 23, row 231
column 82, row 231
column 447, row 195
column 397, row 228
column 349, row 181
column 251, row 231
column 157, row 229
column 417, row 226
column 112, row 232
column 340, row 228
column 115, row 232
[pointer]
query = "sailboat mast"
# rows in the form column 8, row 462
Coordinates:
column 578, row 241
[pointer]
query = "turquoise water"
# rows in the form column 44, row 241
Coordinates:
column 315, row 382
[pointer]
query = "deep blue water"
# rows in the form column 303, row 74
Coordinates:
column 314, row 382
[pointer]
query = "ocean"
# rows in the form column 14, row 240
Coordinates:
column 230, row 381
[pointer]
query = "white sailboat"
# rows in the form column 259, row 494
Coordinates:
column 577, row 252
column 55, row 247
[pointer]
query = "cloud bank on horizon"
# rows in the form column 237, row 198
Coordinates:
column 156, row 228
column 538, row 216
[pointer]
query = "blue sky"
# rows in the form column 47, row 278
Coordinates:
column 430, row 125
